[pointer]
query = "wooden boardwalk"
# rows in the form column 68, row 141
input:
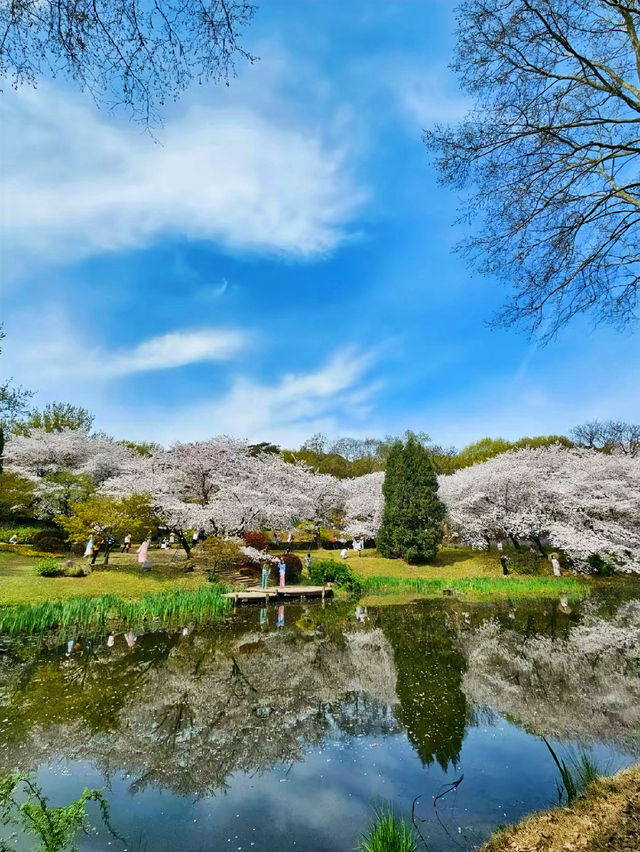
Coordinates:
column 256, row 594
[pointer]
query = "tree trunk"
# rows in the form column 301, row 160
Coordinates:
column 183, row 541
column 538, row 544
column 515, row 541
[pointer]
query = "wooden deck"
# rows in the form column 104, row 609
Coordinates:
column 256, row 594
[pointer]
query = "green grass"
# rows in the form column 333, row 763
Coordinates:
column 480, row 588
column 476, row 574
column 20, row 585
column 94, row 613
column 389, row 833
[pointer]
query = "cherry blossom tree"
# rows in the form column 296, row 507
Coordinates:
column 65, row 465
column 221, row 486
column 364, row 503
column 583, row 500
column 70, row 450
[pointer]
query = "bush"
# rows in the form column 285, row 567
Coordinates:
column 257, row 539
column 73, row 569
column 600, row 566
column 339, row 573
column 293, row 573
column 25, row 534
column 48, row 566
column 50, row 541
column 217, row 554
column 525, row 562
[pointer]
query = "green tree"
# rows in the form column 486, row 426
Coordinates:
column 16, row 495
column 56, row 417
column 106, row 516
column 413, row 514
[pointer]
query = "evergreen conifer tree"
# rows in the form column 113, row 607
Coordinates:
column 413, row 514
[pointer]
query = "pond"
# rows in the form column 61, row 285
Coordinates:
column 281, row 728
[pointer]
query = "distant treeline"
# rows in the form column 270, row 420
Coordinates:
column 348, row 457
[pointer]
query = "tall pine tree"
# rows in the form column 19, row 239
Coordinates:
column 413, row 514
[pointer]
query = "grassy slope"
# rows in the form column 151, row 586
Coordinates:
column 19, row 584
column 607, row 819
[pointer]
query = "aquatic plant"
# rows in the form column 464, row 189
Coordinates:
column 55, row 828
column 93, row 613
column 513, row 587
column 576, row 775
column 389, row 833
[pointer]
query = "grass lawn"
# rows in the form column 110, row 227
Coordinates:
column 19, row 584
column 476, row 574
column 452, row 562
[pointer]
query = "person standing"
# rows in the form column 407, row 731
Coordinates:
column 194, row 538
column 95, row 547
column 143, row 555
column 555, row 564
column 265, row 575
column 307, row 562
column 503, row 563
column 276, row 539
column 88, row 551
column 500, row 546
column 282, row 568
column 172, row 539
column 126, row 544
column 344, row 553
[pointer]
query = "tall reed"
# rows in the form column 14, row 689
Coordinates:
column 93, row 613
column 483, row 586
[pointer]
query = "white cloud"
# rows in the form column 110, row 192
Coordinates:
column 334, row 398
column 77, row 183
column 52, row 350
column 425, row 95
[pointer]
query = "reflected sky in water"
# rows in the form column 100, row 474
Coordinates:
column 249, row 735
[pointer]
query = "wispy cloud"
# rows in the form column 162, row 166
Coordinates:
column 54, row 351
column 78, row 184
column 337, row 396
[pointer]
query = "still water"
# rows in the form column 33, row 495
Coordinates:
column 280, row 729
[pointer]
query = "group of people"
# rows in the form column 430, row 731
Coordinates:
column 282, row 571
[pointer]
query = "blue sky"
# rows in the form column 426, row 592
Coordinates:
column 277, row 259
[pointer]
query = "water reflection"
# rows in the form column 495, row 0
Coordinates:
column 191, row 710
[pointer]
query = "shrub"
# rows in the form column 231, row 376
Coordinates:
column 525, row 562
column 50, row 541
column 25, row 534
column 339, row 573
column 293, row 573
column 256, row 538
column 600, row 566
column 48, row 566
column 217, row 554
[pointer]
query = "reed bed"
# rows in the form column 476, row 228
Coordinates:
column 480, row 587
column 89, row 614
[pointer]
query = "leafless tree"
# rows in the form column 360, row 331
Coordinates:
column 136, row 53
column 550, row 154
column 609, row 435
